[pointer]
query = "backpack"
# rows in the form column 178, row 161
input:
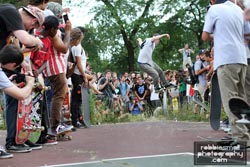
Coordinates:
column 70, row 69
column 194, row 78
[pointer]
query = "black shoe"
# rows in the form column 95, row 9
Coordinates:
column 157, row 89
column 4, row 154
column 48, row 141
column 18, row 148
column 33, row 146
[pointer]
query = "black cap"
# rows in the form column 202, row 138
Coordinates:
column 202, row 51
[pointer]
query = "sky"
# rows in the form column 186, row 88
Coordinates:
column 79, row 15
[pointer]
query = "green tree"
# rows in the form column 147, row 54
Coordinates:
column 17, row 3
column 117, row 25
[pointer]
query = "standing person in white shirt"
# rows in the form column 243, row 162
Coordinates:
column 186, row 55
column 230, row 60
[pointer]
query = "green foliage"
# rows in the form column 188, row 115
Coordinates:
column 117, row 25
column 17, row 3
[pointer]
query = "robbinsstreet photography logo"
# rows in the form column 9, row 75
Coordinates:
column 219, row 153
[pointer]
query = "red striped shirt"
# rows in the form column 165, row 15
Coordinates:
column 56, row 63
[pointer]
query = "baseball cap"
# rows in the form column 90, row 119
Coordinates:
column 202, row 51
column 56, row 8
column 36, row 13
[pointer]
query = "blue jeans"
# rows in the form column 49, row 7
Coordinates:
column 49, row 94
column 11, row 119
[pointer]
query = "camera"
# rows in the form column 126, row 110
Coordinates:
column 19, row 78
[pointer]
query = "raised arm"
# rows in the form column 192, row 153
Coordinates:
column 62, row 45
column 160, row 36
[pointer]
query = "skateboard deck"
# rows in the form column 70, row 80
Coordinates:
column 224, row 141
column 85, row 104
column 215, row 103
column 225, row 138
column 38, row 107
column 241, row 109
column 23, row 120
column 66, row 108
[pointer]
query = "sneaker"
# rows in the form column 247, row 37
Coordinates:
column 4, row 154
column 48, row 141
column 63, row 128
column 33, row 146
column 227, row 129
column 18, row 148
column 79, row 125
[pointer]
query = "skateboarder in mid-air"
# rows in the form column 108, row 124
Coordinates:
column 146, row 62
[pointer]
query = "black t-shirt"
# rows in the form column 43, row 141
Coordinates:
column 140, row 89
column 10, row 20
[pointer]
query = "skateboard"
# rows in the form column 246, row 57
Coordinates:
column 215, row 103
column 241, row 109
column 23, row 126
column 225, row 139
column 63, row 136
column 86, row 108
column 66, row 115
column 38, row 107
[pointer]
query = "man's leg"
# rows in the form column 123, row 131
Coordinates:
column 11, row 122
column 151, row 72
column 232, row 83
column 59, row 84
column 11, row 119
column 49, row 94
column 160, row 73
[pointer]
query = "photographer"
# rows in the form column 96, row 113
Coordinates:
column 135, row 107
column 11, row 57
column 11, row 63
column 107, row 88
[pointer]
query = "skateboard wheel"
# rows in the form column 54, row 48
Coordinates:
column 42, row 128
column 34, row 128
column 24, row 128
column 69, row 137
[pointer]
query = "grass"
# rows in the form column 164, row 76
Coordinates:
column 98, row 115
